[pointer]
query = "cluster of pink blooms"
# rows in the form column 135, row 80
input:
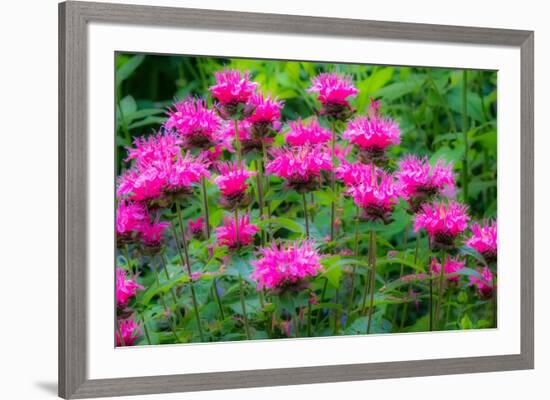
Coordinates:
column 485, row 284
column 300, row 166
column 266, row 112
column 451, row 267
column 236, row 236
column 373, row 134
column 129, row 330
column 285, row 265
column 420, row 181
column 443, row 221
column 125, row 288
column 376, row 194
column 484, row 240
column 232, row 178
column 232, row 87
column 333, row 88
column 310, row 132
column 196, row 227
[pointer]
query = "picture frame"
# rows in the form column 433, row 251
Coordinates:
column 74, row 18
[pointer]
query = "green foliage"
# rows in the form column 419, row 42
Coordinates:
column 428, row 105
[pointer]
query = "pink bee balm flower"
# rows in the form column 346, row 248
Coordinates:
column 286, row 265
column 373, row 134
column 353, row 174
column 309, row 132
column 485, row 285
column 125, row 288
column 484, row 240
column 197, row 125
column 333, row 91
column 300, row 166
column 421, row 182
column 376, row 194
column 185, row 171
column 232, row 178
column 196, row 228
column 159, row 147
column 451, row 266
column 267, row 110
column 233, row 90
column 442, row 221
column 333, row 88
column 236, row 237
column 151, row 234
column 129, row 217
column 145, row 185
column 129, row 330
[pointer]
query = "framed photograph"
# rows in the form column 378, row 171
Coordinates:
column 255, row 200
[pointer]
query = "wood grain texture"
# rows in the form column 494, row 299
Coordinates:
column 73, row 20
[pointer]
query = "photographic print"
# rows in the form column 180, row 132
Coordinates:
column 269, row 199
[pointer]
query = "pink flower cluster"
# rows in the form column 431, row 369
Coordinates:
column 236, row 236
column 130, row 217
column 374, row 132
column 309, row 132
column 232, row 87
column 485, row 284
column 451, row 267
column 376, row 194
column 159, row 170
column 484, row 240
column 442, row 221
column 196, row 228
column 286, row 264
column 333, row 88
column 419, row 179
column 196, row 124
column 353, row 174
column 125, row 288
column 129, row 330
column 232, row 178
column 299, row 166
column 267, row 110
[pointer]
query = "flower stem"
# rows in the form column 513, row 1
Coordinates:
column 129, row 260
column 146, row 330
column 440, row 300
column 406, row 305
column 319, row 314
column 267, row 203
column 237, row 228
column 161, row 298
column 205, row 206
column 243, row 307
column 217, row 297
column 164, row 265
column 237, row 140
column 368, row 278
column 294, row 317
column 373, row 278
column 333, row 182
column 308, row 319
column 305, row 215
column 259, row 184
column 188, row 265
column 122, row 344
column 465, row 133
column 354, row 267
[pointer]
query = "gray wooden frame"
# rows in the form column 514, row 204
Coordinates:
column 73, row 164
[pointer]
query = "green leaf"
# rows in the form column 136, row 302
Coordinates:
column 128, row 68
column 128, row 106
column 283, row 222
column 466, row 323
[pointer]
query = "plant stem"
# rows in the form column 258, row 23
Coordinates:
column 122, row 344
column 495, row 310
column 333, row 182
column 336, row 312
column 465, row 133
column 237, row 228
column 217, row 297
column 368, row 277
column 146, row 330
column 305, row 215
column 373, row 278
column 188, row 265
column 259, row 184
column 406, row 305
column 205, row 207
column 237, row 140
column 322, row 300
column 354, row 267
column 440, row 300
column 129, row 260
column 431, row 319
column 243, row 307
column 161, row 298
column 308, row 319
column 267, row 203
column 164, row 265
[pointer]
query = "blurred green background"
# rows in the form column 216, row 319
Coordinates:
column 436, row 118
